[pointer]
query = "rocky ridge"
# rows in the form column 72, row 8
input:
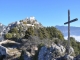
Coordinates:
column 25, row 24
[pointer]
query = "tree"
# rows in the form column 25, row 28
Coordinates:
column 8, row 36
column 43, row 33
column 54, row 33
column 21, row 31
column 40, row 35
column 17, row 36
column 29, row 31
column 60, row 35
column 13, row 30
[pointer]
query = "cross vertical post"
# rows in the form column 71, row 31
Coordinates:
column 68, row 31
column 69, row 21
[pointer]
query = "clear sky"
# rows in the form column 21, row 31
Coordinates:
column 47, row 12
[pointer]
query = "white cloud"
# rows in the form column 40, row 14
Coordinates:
column 76, row 37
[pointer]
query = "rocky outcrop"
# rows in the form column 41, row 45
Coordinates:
column 30, row 52
column 51, row 53
column 59, row 48
column 9, row 49
column 24, row 24
column 2, row 52
column 68, row 57
column 56, row 52
column 71, row 50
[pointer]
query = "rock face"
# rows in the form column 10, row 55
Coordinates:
column 9, row 49
column 59, row 48
column 71, row 51
column 2, row 52
column 29, row 49
column 51, row 53
column 56, row 52
column 27, row 57
column 25, row 23
column 29, row 53
column 68, row 57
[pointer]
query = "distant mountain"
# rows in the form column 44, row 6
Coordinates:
column 73, row 30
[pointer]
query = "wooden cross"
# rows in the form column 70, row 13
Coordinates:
column 69, row 21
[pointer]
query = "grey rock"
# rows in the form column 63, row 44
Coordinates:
column 68, row 57
column 51, row 53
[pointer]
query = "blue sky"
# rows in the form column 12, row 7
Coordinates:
column 47, row 12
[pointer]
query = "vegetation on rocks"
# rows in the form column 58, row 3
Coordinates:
column 46, row 32
column 76, row 45
column 46, row 36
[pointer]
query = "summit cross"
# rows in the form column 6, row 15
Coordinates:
column 69, row 21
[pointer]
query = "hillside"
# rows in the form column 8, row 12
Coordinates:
column 21, row 24
column 28, row 39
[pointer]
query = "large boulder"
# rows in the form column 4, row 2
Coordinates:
column 68, row 57
column 42, row 54
column 2, row 52
column 27, row 57
column 71, row 51
column 59, row 48
column 51, row 53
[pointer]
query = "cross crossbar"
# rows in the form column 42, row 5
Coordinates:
column 71, row 21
